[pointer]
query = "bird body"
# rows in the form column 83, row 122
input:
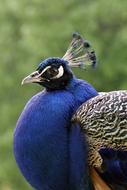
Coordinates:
column 104, row 122
column 44, row 140
column 41, row 137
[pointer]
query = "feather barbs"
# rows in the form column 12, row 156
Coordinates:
column 80, row 53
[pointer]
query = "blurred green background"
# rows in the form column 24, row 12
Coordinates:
column 32, row 30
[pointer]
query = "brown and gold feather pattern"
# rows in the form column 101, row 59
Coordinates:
column 104, row 121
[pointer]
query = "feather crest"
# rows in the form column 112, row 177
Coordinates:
column 80, row 53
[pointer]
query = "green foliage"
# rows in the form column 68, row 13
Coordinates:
column 32, row 30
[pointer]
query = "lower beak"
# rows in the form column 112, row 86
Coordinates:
column 32, row 78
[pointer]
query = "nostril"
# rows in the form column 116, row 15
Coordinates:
column 34, row 74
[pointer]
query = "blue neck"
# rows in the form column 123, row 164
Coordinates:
column 72, row 84
column 48, row 149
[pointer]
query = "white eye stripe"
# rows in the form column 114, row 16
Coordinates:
column 60, row 73
column 45, row 70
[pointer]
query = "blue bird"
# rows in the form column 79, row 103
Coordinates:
column 50, row 153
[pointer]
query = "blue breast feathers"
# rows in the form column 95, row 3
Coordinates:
column 41, row 139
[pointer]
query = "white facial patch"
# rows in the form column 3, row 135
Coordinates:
column 60, row 73
column 45, row 70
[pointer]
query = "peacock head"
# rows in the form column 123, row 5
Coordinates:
column 55, row 73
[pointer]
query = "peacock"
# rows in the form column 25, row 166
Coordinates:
column 103, row 120
column 50, row 152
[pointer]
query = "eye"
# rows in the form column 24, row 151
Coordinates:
column 60, row 73
column 51, row 72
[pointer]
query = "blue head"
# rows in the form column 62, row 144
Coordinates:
column 55, row 73
column 52, row 73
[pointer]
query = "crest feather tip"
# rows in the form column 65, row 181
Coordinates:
column 76, row 35
column 80, row 53
column 87, row 44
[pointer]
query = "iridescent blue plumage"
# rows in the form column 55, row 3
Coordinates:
column 41, row 137
column 51, row 154
column 115, row 168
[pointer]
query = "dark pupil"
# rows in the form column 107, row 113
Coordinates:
column 51, row 72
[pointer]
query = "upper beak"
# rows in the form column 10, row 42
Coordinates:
column 33, row 77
